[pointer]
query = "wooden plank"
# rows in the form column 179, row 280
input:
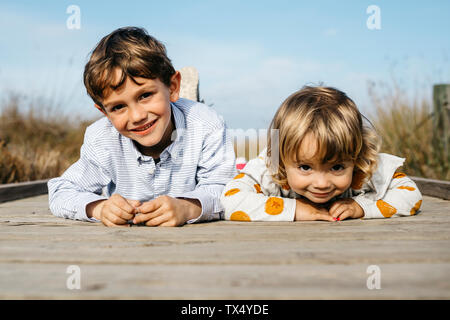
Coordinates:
column 14, row 191
column 441, row 123
column 433, row 188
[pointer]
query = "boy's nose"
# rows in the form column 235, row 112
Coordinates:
column 137, row 114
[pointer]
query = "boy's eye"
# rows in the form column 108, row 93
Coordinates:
column 337, row 167
column 304, row 167
column 117, row 107
column 146, row 95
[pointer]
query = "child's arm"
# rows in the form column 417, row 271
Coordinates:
column 247, row 198
column 78, row 186
column 402, row 198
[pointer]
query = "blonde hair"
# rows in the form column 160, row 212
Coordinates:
column 336, row 123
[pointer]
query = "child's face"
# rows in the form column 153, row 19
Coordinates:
column 142, row 111
column 317, row 181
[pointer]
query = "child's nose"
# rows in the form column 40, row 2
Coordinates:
column 137, row 113
column 321, row 181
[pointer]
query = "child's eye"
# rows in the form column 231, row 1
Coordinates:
column 146, row 95
column 337, row 167
column 304, row 167
column 117, row 107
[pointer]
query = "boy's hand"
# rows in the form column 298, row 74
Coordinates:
column 346, row 208
column 166, row 211
column 307, row 211
column 114, row 212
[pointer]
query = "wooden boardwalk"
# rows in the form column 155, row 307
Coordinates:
column 224, row 260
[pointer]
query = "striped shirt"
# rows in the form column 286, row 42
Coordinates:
column 196, row 165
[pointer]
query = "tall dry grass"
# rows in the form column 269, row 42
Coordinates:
column 36, row 140
column 39, row 142
column 406, row 127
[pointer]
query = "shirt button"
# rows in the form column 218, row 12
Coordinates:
column 151, row 171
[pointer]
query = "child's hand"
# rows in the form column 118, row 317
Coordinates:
column 307, row 211
column 114, row 212
column 346, row 208
column 166, row 211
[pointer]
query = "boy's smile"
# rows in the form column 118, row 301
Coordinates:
column 140, row 110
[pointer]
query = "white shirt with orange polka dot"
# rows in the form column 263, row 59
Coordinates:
column 253, row 196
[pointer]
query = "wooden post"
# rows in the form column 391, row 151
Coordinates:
column 441, row 122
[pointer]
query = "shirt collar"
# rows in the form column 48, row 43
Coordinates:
column 180, row 126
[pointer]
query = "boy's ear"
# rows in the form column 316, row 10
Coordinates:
column 100, row 108
column 175, row 85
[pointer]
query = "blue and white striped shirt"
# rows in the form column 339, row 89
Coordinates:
column 197, row 165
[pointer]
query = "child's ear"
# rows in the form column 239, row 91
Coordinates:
column 100, row 108
column 175, row 85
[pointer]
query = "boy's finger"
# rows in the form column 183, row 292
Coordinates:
column 157, row 220
column 143, row 217
column 109, row 223
column 134, row 203
column 116, row 218
column 120, row 212
column 122, row 203
column 150, row 206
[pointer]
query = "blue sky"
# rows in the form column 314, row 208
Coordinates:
column 250, row 54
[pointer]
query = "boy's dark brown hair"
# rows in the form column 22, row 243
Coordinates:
column 134, row 52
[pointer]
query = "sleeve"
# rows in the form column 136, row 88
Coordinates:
column 402, row 198
column 81, row 184
column 217, row 164
column 248, row 198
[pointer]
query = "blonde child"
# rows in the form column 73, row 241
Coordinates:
column 324, row 165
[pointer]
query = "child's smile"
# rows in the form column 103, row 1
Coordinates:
column 317, row 181
column 140, row 110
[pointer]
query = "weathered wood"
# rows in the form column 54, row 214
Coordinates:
column 189, row 84
column 14, row 191
column 441, row 122
column 433, row 188
column 224, row 259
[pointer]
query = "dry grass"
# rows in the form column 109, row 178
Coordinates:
column 406, row 128
column 36, row 142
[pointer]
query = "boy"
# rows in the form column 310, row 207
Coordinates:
column 163, row 160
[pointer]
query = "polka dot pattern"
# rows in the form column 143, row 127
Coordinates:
column 386, row 209
column 398, row 175
column 416, row 207
column 239, row 176
column 240, row 216
column 274, row 206
column 406, row 188
column 231, row 192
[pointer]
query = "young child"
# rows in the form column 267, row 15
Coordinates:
column 158, row 159
column 324, row 165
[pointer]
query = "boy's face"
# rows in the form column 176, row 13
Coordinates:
column 317, row 181
column 141, row 111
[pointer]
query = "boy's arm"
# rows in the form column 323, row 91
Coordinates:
column 79, row 185
column 215, row 168
column 244, row 200
column 402, row 198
